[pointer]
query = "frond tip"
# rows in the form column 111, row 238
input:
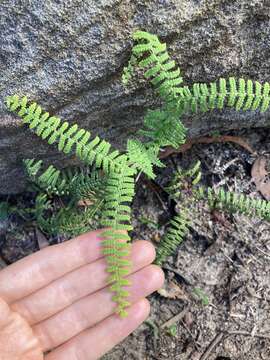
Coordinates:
column 152, row 55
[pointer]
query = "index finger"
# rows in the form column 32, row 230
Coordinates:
column 40, row 269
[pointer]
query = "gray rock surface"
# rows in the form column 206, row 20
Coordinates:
column 68, row 56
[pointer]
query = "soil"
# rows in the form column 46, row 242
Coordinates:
column 217, row 283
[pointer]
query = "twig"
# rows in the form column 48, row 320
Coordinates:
column 182, row 277
column 213, row 344
column 175, row 318
column 219, row 337
column 245, row 333
column 196, row 343
column 263, row 252
column 156, row 188
column 252, row 293
column 2, row 263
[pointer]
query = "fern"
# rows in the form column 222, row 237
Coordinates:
column 239, row 94
column 71, row 222
column 163, row 128
column 51, row 180
column 116, row 246
column 175, row 234
column 162, row 72
column 119, row 187
column 108, row 179
column 42, row 205
column 143, row 158
column 235, row 203
column 67, row 136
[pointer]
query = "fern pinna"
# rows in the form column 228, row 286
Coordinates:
column 118, row 192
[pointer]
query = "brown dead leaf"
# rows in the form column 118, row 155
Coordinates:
column 207, row 140
column 41, row 239
column 85, row 203
column 172, row 291
column 260, row 175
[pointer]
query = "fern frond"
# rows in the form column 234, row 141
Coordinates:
column 143, row 158
column 235, row 203
column 239, row 94
column 51, row 180
column 163, row 128
column 116, row 246
column 152, row 55
column 71, row 222
column 174, row 236
column 184, row 179
column 42, row 205
column 67, row 136
column 128, row 70
column 88, row 185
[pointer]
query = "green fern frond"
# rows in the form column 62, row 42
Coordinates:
column 51, row 180
column 183, row 179
column 163, row 128
column 235, row 203
column 172, row 239
column 152, row 55
column 119, row 189
column 239, row 94
column 128, row 70
column 42, row 205
column 116, row 246
column 71, row 222
column 67, row 136
column 143, row 158
column 88, row 185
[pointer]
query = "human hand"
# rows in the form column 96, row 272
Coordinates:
column 57, row 299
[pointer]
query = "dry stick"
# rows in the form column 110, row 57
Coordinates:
column 245, row 333
column 219, row 337
column 2, row 263
column 213, row 344
column 175, row 271
column 175, row 318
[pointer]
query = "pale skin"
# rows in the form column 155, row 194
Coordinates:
column 57, row 300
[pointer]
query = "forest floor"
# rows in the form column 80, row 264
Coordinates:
column 215, row 303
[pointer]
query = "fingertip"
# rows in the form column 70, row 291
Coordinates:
column 140, row 310
column 157, row 276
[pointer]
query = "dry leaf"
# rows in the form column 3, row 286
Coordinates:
column 41, row 239
column 85, row 202
column 260, row 176
column 207, row 140
column 172, row 291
